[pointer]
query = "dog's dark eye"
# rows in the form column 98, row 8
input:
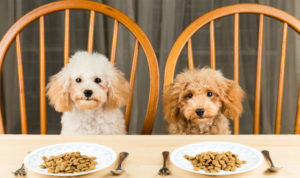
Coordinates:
column 209, row 94
column 78, row 80
column 97, row 80
column 190, row 95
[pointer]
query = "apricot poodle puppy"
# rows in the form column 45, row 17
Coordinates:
column 90, row 92
column 198, row 102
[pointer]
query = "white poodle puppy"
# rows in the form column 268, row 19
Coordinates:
column 90, row 92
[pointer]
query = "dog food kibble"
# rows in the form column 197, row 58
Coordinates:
column 213, row 162
column 72, row 162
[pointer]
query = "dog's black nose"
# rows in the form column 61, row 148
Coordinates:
column 88, row 93
column 200, row 111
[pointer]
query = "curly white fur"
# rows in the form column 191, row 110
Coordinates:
column 90, row 92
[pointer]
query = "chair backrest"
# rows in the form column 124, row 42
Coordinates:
column 235, row 10
column 94, row 7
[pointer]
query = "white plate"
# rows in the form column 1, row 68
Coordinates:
column 104, row 156
column 252, row 156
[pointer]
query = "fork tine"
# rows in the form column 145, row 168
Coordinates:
column 164, row 170
column 20, row 172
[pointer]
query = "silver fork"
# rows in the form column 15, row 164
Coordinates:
column 21, row 171
column 164, row 170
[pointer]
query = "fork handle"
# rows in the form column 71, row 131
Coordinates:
column 267, row 156
column 165, row 156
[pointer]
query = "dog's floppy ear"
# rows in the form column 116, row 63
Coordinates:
column 232, row 96
column 118, row 91
column 170, row 101
column 58, row 92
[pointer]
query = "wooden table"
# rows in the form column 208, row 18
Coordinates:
column 145, row 157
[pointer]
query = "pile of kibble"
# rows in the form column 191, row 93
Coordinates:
column 65, row 163
column 213, row 162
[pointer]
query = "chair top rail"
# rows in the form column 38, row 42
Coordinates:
column 218, row 13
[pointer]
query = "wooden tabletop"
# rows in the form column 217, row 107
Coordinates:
column 145, row 157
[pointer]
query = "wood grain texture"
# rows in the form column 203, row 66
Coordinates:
column 2, row 129
column 236, row 124
column 297, row 122
column 134, row 63
column 120, row 17
column 281, row 79
column 114, row 42
column 212, row 45
column 145, row 158
column 67, row 37
column 256, row 120
column 43, row 117
column 24, row 129
column 236, row 48
column 190, row 54
column 91, row 32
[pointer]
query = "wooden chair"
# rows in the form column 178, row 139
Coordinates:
column 38, row 14
column 235, row 10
